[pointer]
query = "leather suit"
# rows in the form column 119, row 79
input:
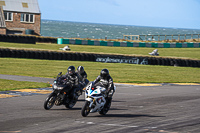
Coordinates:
column 105, row 82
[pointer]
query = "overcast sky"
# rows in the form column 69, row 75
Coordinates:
column 155, row 13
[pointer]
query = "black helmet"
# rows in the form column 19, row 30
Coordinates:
column 71, row 70
column 80, row 69
column 104, row 73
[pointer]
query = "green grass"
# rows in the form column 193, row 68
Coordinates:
column 193, row 53
column 13, row 85
column 124, row 73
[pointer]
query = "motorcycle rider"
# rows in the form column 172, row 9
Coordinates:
column 71, row 78
column 82, row 76
column 105, row 80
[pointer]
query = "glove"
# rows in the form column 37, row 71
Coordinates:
column 103, row 90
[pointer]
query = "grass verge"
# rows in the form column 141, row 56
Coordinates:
column 121, row 72
column 13, row 85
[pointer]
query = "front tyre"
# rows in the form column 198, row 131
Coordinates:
column 49, row 102
column 85, row 109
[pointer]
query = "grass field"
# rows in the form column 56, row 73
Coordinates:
column 192, row 53
column 124, row 73
column 121, row 73
column 13, row 85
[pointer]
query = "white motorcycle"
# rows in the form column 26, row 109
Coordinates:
column 95, row 100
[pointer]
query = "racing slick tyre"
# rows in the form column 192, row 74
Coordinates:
column 85, row 109
column 70, row 104
column 49, row 102
column 106, row 107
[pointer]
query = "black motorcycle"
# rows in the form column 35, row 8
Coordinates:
column 62, row 94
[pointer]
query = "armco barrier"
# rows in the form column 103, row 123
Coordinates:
column 128, row 44
column 106, row 58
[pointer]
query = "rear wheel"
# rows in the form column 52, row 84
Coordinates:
column 72, row 101
column 49, row 102
column 106, row 107
column 70, row 104
column 85, row 109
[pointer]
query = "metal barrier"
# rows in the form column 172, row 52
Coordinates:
column 178, row 37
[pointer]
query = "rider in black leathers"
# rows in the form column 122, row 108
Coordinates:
column 71, row 79
column 82, row 76
column 105, row 80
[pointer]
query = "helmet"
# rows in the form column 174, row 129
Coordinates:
column 71, row 70
column 80, row 69
column 104, row 73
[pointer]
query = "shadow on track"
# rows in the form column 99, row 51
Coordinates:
column 53, row 109
column 127, row 115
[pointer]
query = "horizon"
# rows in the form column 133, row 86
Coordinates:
column 118, row 24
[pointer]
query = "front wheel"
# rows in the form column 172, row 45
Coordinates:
column 49, row 102
column 85, row 109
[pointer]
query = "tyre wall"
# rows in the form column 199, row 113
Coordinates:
column 27, row 39
column 106, row 58
column 34, row 39
column 18, row 39
column 128, row 44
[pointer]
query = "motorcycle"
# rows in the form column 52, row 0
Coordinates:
column 95, row 100
column 57, row 96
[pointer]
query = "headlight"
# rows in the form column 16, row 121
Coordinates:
column 57, row 88
column 54, row 86
column 60, row 88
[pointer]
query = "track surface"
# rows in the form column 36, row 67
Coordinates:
column 135, row 109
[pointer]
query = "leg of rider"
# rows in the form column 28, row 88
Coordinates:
column 110, row 94
column 81, row 86
column 79, row 89
column 86, row 81
column 75, row 94
column 66, row 90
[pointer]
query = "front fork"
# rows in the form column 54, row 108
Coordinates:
column 91, row 101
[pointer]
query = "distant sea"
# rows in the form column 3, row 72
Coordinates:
column 69, row 29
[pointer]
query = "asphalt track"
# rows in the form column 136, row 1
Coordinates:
column 163, row 108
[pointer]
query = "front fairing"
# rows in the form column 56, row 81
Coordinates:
column 92, row 90
column 95, row 97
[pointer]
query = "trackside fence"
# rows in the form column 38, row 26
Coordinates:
column 128, row 44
